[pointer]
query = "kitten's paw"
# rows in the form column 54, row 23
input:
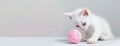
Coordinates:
column 91, row 41
column 103, row 37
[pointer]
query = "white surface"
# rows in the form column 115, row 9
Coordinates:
column 50, row 41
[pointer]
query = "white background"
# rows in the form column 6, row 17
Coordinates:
column 45, row 18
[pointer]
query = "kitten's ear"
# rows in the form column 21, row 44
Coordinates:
column 86, row 12
column 69, row 15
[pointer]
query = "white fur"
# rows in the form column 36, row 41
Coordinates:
column 96, row 26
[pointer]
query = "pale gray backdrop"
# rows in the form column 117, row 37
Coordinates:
column 41, row 18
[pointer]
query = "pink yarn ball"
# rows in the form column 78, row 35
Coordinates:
column 74, row 36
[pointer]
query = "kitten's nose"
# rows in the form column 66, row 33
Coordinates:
column 77, row 26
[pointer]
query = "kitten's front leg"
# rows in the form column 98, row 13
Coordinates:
column 95, row 36
column 83, row 39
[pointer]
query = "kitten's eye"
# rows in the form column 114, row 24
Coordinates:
column 84, row 24
column 77, row 26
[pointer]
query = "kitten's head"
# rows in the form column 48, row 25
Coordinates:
column 80, row 17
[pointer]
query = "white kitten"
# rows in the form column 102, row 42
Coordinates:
column 92, row 26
